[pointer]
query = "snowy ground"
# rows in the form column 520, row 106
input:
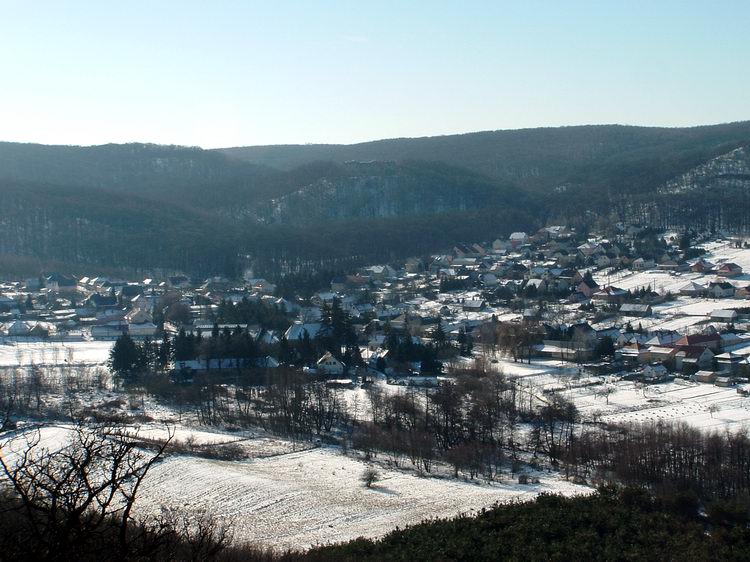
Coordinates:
column 54, row 353
column 252, row 444
column 316, row 497
column 678, row 401
column 296, row 499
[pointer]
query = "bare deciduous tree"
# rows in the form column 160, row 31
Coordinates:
column 83, row 493
column 605, row 392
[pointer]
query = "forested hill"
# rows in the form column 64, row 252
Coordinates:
column 532, row 158
column 197, row 211
column 176, row 174
column 299, row 207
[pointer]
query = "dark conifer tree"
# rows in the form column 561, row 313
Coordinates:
column 124, row 357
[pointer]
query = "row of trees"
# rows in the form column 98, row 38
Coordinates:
column 266, row 316
column 129, row 358
column 511, row 338
column 665, row 455
column 283, row 401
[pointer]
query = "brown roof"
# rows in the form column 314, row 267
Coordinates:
column 693, row 351
column 697, row 339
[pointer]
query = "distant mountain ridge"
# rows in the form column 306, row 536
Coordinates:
column 512, row 154
column 291, row 208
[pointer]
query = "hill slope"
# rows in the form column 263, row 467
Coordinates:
column 532, row 158
column 301, row 207
column 89, row 227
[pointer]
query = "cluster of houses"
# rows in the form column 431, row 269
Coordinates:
column 705, row 357
column 59, row 307
column 551, row 274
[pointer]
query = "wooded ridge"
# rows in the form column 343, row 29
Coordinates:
column 303, row 207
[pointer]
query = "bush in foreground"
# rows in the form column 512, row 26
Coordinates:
column 610, row 525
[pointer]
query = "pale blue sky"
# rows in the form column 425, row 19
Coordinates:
column 223, row 73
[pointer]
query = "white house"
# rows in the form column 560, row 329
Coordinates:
column 722, row 315
column 692, row 289
column 640, row 264
column 142, row 330
column 518, row 239
column 138, row 316
column 722, row 289
column 330, row 366
column 108, row 331
column 655, row 373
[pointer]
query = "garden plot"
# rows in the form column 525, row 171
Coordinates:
column 719, row 252
column 700, row 405
column 700, row 307
column 659, row 281
column 680, row 324
column 52, row 438
column 522, row 369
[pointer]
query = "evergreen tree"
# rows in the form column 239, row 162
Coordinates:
column 380, row 364
column 438, row 334
column 165, row 352
column 124, row 357
column 148, row 353
column 285, row 351
column 605, row 347
column 430, row 364
column 461, row 341
column 307, row 350
column 469, row 345
column 183, row 346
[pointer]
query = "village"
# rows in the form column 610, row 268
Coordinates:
column 634, row 305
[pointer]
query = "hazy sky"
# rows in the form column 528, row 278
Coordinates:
column 216, row 73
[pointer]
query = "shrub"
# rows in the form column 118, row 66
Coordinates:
column 369, row 477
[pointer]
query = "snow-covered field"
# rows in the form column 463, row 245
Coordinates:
column 316, row 496
column 296, row 499
column 678, row 401
column 54, row 353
